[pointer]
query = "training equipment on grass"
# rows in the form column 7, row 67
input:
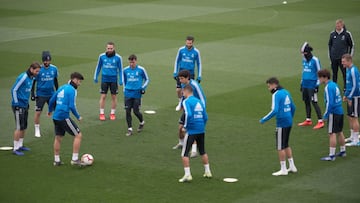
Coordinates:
column 284, row 2
column 230, row 180
column 87, row 159
column 6, row 148
column 150, row 112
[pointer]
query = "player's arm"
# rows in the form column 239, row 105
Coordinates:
column 328, row 95
column 187, row 112
column 293, row 107
column 274, row 109
column 146, row 79
column 120, row 67
column 72, row 105
column 330, row 44
column 351, row 44
column 318, row 67
column 33, row 97
column 52, row 103
column 176, row 65
column 353, row 85
column 97, row 69
column 199, row 65
column 56, row 83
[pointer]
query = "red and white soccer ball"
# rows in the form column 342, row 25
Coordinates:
column 87, row 159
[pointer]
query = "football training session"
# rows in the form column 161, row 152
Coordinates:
column 180, row 101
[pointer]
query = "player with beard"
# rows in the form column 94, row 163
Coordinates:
column 110, row 65
column 47, row 84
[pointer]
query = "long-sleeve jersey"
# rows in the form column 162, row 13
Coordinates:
column 309, row 77
column 186, row 60
column 135, row 80
column 64, row 101
column 197, row 91
column 111, row 68
column 20, row 91
column 340, row 44
column 282, row 107
column 46, row 80
column 195, row 116
column 333, row 100
column 352, row 82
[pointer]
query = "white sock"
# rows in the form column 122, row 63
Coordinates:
column 355, row 137
column 130, row 129
column 112, row 111
column 142, row 123
column 75, row 156
column 194, row 148
column 351, row 133
column 308, row 119
column 207, row 168
column 102, row 111
column 16, row 145
column 283, row 165
column 320, row 120
column 332, row 151
column 187, row 171
column 57, row 158
column 21, row 142
column 342, row 148
column 291, row 163
column 37, row 127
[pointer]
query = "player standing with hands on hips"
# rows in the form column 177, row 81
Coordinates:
column 334, row 114
column 110, row 65
column 284, row 109
column 186, row 59
column 20, row 93
column 310, row 85
column 195, row 123
column 47, row 84
column 61, row 103
column 136, row 81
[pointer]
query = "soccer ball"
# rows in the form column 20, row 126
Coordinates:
column 87, row 159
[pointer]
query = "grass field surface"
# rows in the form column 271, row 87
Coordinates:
column 242, row 43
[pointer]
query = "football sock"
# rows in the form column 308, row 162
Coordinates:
column 112, row 111
column 75, row 156
column 291, row 162
column 283, row 165
column 342, row 148
column 187, row 171
column 21, row 141
column 57, row 158
column 207, row 168
column 320, row 120
column 142, row 123
column 308, row 119
column 102, row 111
column 194, row 148
column 355, row 137
column 130, row 129
column 37, row 128
column 16, row 145
column 351, row 133
column 332, row 151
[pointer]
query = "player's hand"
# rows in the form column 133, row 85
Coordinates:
column 175, row 78
column 95, row 80
column 198, row 79
column 49, row 114
column 344, row 99
column 261, row 121
column 33, row 98
column 142, row 91
column 80, row 119
column 349, row 102
column 316, row 90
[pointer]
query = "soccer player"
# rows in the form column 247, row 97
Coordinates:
column 135, row 82
column 195, row 122
column 185, row 79
column 352, row 97
column 61, row 103
column 20, row 93
column 334, row 114
column 47, row 84
column 310, row 85
column 340, row 43
column 284, row 109
column 186, row 59
column 110, row 64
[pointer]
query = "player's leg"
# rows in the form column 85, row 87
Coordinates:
column 181, row 132
column 332, row 128
column 138, row 114
column 314, row 101
column 343, row 71
column 288, row 151
column 73, row 129
column 188, row 141
column 280, row 136
column 128, row 106
column 200, row 139
column 59, row 133
column 114, row 91
column 307, row 100
column 40, row 102
column 103, row 91
column 349, row 113
column 354, row 122
column 334, row 67
column 339, row 119
column 179, row 94
column 23, row 127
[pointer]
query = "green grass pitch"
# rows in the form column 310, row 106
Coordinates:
column 242, row 42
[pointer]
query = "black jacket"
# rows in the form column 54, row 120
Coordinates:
column 340, row 44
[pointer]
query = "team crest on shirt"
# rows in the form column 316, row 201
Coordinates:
column 343, row 37
column 198, row 107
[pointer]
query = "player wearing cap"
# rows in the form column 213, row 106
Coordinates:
column 310, row 85
column 284, row 109
column 352, row 97
column 136, row 81
column 61, row 103
column 20, row 93
column 46, row 83
column 186, row 59
column 195, row 123
column 110, row 65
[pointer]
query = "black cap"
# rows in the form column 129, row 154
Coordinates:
column 46, row 56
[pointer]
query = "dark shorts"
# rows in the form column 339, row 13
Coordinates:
column 354, row 109
column 40, row 102
column 132, row 103
column 189, row 140
column 182, row 119
column 282, row 138
column 335, row 123
column 105, row 86
column 21, row 117
column 67, row 125
column 178, row 83
column 309, row 95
